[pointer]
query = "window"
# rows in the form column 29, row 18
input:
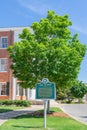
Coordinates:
column 3, row 64
column 3, row 42
column 3, row 88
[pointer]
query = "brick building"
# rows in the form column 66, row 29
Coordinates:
column 9, row 88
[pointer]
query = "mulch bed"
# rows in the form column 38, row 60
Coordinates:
column 52, row 114
column 58, row 114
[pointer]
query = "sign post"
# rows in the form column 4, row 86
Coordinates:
column 46, row 91
column 45, row 101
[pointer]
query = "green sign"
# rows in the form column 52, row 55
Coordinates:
column 45, row 90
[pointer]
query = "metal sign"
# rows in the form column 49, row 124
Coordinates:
column 45, row 90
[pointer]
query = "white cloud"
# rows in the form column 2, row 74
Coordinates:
column 35, row 6
column 79, row 29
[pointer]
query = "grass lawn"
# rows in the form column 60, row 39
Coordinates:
column 35, row 122
column 9, row 108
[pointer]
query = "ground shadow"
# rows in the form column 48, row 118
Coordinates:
column 83, row 116
column 5, row 110
column 20, row 114
column 36, row 127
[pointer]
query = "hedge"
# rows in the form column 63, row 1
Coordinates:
column 15, row 102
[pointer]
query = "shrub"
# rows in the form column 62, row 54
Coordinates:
column 25, row 103
column 15, row 102
column 79, row 90
column 1, row 102
column 7, row 102
column 22, row 103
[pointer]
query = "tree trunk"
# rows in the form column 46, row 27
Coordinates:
column 80, row 100
column 48, row 106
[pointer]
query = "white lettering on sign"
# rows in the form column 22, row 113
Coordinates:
column 45, row 92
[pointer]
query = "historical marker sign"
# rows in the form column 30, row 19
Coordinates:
column 45, row 90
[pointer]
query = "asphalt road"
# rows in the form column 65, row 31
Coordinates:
column 77, row 111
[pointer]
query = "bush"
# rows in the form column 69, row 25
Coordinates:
column 7, row 102
column 1, row 102
column 22, row 103
column 26, row 103
column 15, row 102
column 79, row 90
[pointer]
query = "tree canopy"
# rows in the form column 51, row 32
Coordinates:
column 49, row 51
column 79, row 89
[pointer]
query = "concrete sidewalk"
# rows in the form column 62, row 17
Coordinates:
column 11, row 114
column 76, row 111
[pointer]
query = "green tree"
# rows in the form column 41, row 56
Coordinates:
column 65, row 95
column 49, row 50
column 79, row 90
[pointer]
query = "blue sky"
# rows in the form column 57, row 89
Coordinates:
column 15, row 13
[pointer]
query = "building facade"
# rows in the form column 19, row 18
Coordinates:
column 9, row 87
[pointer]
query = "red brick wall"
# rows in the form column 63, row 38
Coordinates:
column 3, row 53
column 7, row 76
column 4, row 97
column 9, row 34
column 4, row 77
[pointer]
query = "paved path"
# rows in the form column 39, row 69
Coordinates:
column 77, row 111
column 8, row 115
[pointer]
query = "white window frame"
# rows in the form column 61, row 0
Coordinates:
column 0, row 65
column 1, row 88
column 1, row 42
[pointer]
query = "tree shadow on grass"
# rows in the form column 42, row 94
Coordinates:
column 35, row 114
column 11, row 114
column 35, row 127
column 31, row 115
column 21, row 114
column 5, row 110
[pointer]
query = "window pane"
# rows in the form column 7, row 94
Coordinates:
column 3, row 61
column 0, row 43
column 3, row 89
column 4, row 42
column 3, row 65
